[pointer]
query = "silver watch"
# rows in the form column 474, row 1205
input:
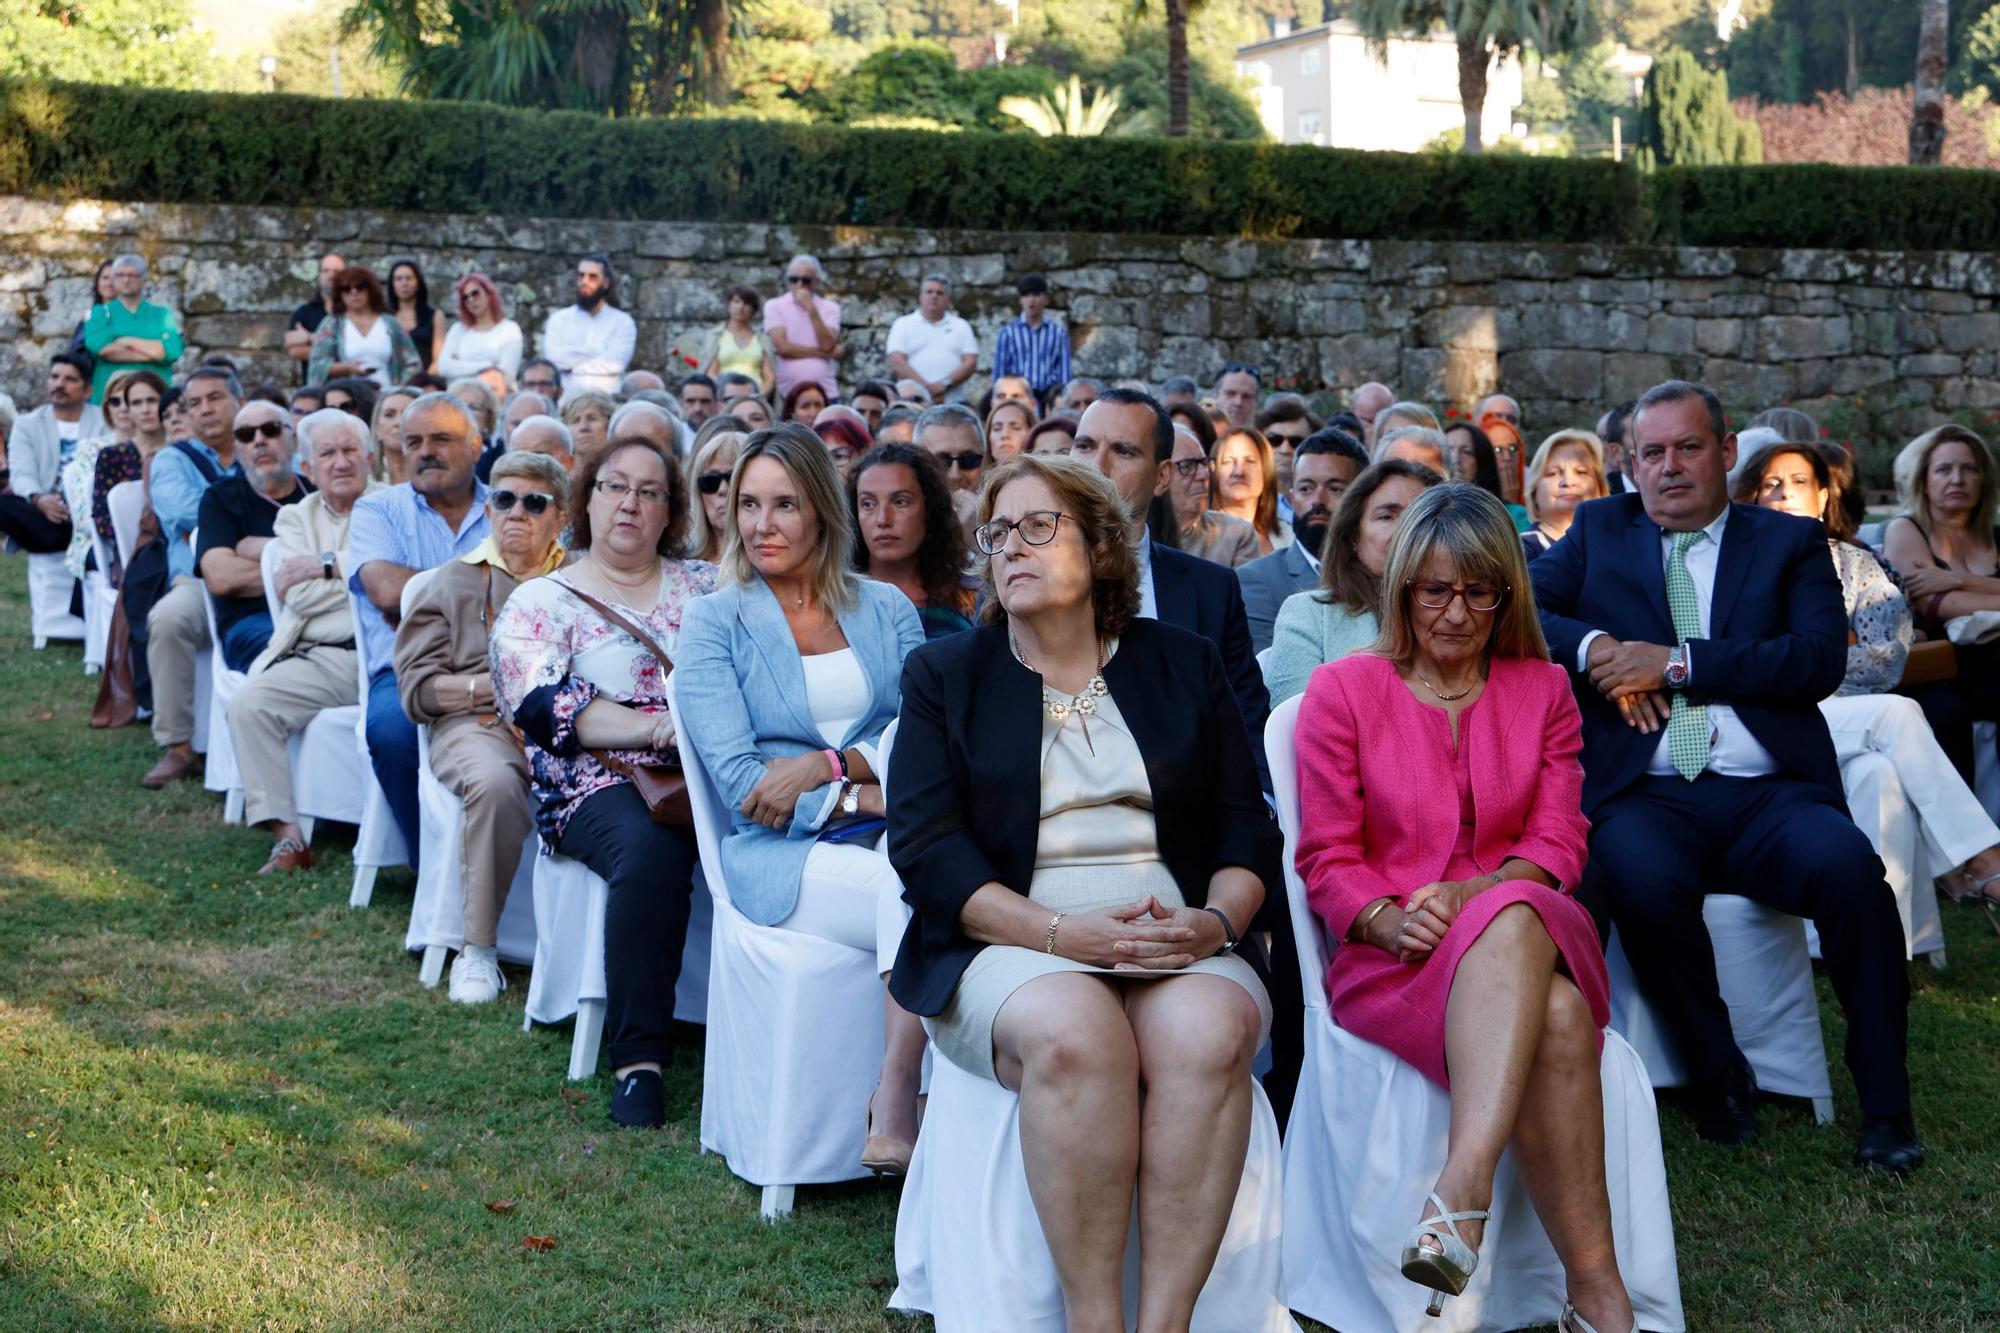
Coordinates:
column 1677, row 667
column 850, row 800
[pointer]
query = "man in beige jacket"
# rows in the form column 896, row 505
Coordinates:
column 310, row 662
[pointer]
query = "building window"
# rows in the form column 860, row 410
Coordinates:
column 1309, row 125
column 1309, row 60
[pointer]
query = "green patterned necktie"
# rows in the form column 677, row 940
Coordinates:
column 1687, row 725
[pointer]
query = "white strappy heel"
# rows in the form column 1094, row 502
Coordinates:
column 1448, row 1268
column 1572, row 1322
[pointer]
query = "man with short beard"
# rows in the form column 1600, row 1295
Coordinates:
column 1325, row 465
column 35, row 514
column 698, row 402
column 437, row 515
column 591, row 342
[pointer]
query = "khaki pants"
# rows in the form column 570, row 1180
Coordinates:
column 482, row 766
column 275, row 705
column 177, row 635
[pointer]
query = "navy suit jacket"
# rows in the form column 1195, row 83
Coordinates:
column 1777, row 627
column 1203, row 598
column 1267, row 581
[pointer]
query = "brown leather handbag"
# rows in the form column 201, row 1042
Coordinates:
column 660, row 783
column 1931, row 660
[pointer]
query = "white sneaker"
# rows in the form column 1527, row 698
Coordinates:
column 475, row 975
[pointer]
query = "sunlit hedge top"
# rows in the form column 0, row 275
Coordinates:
column 89, row 141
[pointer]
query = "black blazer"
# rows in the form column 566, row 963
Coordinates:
column 967, row 778
column 1204, row 598
column 1777, row 623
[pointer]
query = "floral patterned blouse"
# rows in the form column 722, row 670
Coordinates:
column 552, row 654
column 1878, row 614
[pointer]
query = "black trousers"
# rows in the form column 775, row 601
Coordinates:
column 1658, row 848
column 1288, row 1016
column 650, row 871
column 29, row 528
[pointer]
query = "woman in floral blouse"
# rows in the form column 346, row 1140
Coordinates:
column 582, row 689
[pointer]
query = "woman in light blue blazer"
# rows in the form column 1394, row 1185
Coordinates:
column 786, row 677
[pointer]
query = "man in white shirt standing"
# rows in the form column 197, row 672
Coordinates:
column 931, row 344
column 591, row 342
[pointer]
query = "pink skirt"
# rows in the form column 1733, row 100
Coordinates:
column 1401, row 1005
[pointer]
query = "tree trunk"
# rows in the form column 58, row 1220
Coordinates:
column 712, row 18
column 1472, row 61
column 1927, row 115
column 1177, row 68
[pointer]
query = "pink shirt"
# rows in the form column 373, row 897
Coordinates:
column 783, row 314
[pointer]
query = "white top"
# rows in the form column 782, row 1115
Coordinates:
column 467, row 351
column 837, row 693
column 936, row 349
column 1732, row 751
column 371, row 351
column 592, row 350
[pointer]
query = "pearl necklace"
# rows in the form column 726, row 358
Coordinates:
column 1084, row 704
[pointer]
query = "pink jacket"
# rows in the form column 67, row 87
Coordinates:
column 1378, row 796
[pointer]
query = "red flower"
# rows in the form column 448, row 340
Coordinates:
column 1824, row 432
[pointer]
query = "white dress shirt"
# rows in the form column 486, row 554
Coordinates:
column 1149, row 607
column 1732, row 751
column 591, row 348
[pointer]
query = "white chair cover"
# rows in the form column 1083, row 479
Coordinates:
column 49, row 586
column 794, row 1034
column 1367, row 1139
column 377, row 841
column 127, row 503
column 221, row 773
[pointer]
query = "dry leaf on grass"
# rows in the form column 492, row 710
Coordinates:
column 499, row 1205
column 539, row 1244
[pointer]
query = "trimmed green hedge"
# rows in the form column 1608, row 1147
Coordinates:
column 78, row 140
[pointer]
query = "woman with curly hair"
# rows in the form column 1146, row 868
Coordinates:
column 906, row 534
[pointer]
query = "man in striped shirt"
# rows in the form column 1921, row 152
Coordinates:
column 1034, row 347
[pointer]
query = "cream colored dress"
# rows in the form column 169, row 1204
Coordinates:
column 1097, row 847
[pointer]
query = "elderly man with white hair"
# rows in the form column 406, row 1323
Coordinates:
column 545, row 435
column 129, row 332
column 310, row 662
column 641, row 419
column 804, row 328
column 1418, row 444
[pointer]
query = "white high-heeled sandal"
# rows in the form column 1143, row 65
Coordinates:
column 1572, row 1322
column 1446, row 1269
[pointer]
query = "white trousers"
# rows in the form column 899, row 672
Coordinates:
column 851, row 895
column 1954, row 826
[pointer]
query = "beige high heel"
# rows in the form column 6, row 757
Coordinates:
column 1572, row 1322
column 880, row 1153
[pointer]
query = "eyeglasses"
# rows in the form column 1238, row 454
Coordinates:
column 534, row 503
column 1037, row 528
column 270, row 430
column 539, row 386
column 1193, row 467
column 1480, row 597
column 618, row 490
column 798, row 279
column 969, row 461
column 708, row 483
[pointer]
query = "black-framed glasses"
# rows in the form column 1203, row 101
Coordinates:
column 618, row 490
column 1037, row 528
column 270, row 430
column 1193, row 467
column 710, row 483
column 534, row 503
column 1434, row 595
column 969, row 461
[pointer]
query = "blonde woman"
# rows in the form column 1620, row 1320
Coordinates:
column 710, row 462
column 1567, row 470
column 588, row 414
column 1244, row 484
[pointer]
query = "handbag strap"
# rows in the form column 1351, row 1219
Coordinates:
column 666, row 663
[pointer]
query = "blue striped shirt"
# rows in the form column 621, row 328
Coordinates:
column 1039, row 355
column 399, row 526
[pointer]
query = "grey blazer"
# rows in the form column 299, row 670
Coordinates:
column 1267, row 581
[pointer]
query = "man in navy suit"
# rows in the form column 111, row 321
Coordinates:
column 1703, row 636
column 1325, row 465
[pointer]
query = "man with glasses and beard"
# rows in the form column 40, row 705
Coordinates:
column 804, row 328
column 591, row 342
column 1325, row 465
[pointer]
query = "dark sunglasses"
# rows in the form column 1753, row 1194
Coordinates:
column 708, row 483
column 535, row 503
column 270, row 430
column 799, row 279
column 965, row 462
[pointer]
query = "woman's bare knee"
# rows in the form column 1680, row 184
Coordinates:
column 1197, row 1026
column 1063, row 1027
column 1569, row 1030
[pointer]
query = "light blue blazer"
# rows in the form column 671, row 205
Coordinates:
column 742, row 694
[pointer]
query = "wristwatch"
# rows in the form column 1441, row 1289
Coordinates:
column 1677, row 667
column 326, row 566
column 1228, row 931
column 850, row 800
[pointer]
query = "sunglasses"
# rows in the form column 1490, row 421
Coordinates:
column 270, row 430
column 534, row 503
column 968, row 461
column 798, row 280
column 708, row 483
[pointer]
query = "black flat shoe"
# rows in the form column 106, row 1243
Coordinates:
column 1889, row 1144
column 1728, row 1110
column 639, row 1101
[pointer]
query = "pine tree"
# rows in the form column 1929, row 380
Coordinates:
column 1685, row 118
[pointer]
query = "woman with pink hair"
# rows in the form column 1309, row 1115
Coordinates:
column 482, row 338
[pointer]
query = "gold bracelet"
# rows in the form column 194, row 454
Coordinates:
column 1054, row 921
column 1359, row 930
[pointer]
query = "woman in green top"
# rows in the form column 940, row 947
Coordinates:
column 129, row 333
column 1340, row 616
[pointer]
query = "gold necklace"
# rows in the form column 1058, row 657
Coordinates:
column 1084, row 704
column 1442, row 696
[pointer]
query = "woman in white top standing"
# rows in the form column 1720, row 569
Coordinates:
column 787, row 676
column 482, row 338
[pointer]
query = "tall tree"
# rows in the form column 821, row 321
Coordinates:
column 1927, row 116
column 1484, row 30
column 1177, row 61
column 1685, row 118
column 149, row 42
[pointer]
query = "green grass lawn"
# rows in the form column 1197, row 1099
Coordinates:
column 225, row 1103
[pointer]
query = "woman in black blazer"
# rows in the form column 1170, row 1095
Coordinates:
column 1077, row 823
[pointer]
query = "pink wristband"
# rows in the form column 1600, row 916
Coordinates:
column 833, row 762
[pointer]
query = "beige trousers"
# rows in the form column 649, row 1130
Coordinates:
column 482, row 766
column 275, row 705
column 177, row 627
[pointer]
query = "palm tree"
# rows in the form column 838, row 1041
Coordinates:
column 1927, row 115
column 1177, row 60
column 1483, row 29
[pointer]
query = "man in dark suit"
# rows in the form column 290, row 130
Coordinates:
column 1703, row 635
column 1326, row 463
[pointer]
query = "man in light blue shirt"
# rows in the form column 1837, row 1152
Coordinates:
column 439, row 514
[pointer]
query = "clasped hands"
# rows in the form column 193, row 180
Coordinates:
column 1142, row 936
column 1414, row 932
column 1634, row 677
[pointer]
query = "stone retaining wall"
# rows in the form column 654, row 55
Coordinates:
column 1891, row 340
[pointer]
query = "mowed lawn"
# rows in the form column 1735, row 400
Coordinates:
column 225, row 1103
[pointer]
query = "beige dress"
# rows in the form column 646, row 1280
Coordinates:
column 1097, row 847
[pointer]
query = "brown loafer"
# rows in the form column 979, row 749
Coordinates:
column 288, row 854
column 173, row 766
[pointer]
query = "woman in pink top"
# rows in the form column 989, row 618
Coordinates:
column 1440, row 832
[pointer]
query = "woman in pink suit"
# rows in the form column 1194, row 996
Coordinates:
column 1440, row 832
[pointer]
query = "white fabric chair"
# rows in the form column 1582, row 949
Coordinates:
column 377, row 841
column 221, row 773
column 49, row 587
column 127, row 503
column 100, row 599
column 1367, row 1139
column 794, row 1035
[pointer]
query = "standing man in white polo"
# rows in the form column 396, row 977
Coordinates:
column 932, row 345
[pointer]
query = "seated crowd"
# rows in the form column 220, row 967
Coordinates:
column 1637, row 656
